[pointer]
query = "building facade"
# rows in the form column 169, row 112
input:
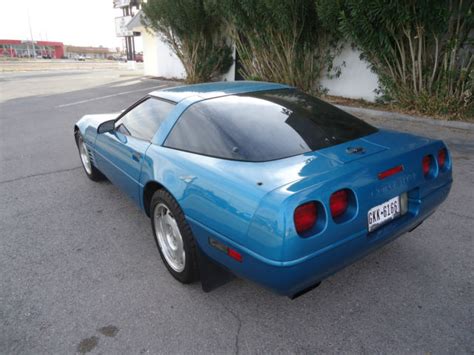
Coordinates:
column 72, row 52
column 28, row 49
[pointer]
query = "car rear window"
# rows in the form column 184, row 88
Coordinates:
column 263, row 126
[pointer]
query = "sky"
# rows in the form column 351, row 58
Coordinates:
column 74, row 22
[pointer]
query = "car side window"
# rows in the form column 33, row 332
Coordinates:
column 143, row 120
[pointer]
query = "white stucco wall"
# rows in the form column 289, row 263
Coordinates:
column 356, row 81
column 159, row 59
column 230, row 75
column 150, row 54
column 168, row 64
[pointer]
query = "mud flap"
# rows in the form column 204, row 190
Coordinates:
column 212, row 274
column 306, row 290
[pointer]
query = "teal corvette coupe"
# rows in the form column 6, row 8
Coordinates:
column 262, row 181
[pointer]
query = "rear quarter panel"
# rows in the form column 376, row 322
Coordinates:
column 212, row 192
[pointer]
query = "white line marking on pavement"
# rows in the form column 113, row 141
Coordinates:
column 107, row 96
column 126, row 83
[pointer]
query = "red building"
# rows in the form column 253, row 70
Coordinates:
column 18, row 48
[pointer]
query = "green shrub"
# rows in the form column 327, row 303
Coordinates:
column 280, row 41
column 195, row 32
column 420, row 49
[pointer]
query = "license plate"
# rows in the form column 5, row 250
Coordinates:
column 383, row 213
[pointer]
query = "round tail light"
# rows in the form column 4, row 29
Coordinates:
column 338, row 202
column 305, row 217
column 442, row 155
column 427, row 164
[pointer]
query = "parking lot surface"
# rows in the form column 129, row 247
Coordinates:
column 80, row 271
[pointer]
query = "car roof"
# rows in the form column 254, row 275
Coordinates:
column 217, row 89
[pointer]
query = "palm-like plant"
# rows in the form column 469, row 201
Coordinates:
column 195, row 32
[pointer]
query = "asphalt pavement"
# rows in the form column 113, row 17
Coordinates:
column 80, row 272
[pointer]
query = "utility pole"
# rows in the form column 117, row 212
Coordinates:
column 31, row 33
column 128, row 11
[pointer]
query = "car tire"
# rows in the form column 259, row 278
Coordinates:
column 91, row 171
column 174, row 238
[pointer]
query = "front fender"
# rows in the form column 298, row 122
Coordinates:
column 88, row 124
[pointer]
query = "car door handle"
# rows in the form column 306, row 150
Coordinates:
column 136, row 156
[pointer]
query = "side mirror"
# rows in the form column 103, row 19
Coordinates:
column 107, row 126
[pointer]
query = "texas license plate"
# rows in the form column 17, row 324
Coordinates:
column 383, row 213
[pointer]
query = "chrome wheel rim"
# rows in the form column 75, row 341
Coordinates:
column 86, row 162
column 169, row 237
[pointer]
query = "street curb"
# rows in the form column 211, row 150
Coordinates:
column 403, row 117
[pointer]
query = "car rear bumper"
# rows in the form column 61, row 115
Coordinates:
column 291, row 277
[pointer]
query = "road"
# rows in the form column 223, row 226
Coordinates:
column 80, row 271
column 61, row 65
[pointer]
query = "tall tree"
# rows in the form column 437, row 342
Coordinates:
column 281, row 41
column 195, row 32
